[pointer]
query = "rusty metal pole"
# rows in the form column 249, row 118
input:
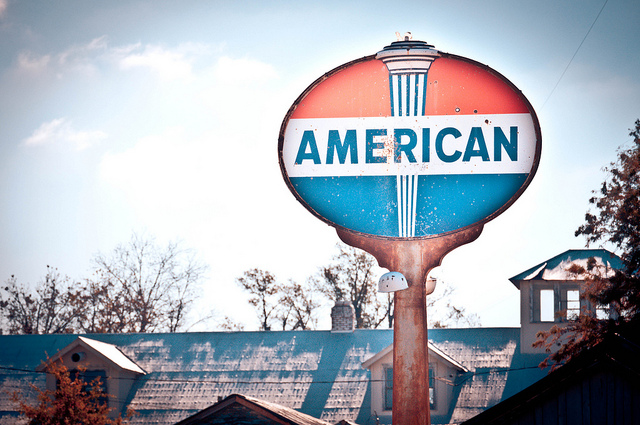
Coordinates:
column 410, row 353
column 414, row 259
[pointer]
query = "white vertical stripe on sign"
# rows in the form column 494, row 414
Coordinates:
column 415, row 202
column 407, row 93
column 400, row 215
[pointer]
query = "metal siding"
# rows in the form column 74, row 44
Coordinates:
column 598, row 399
column 550, row 412
column 635, row 418
column 562, row 408
column 611, row 401
column 537, row 415
column 586, row 402
column 635, row 406
column 574, row 404
column 626, row 403
column 527, row 420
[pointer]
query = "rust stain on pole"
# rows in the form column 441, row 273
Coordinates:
column 414, row 259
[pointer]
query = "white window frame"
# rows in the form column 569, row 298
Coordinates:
column 555, row 297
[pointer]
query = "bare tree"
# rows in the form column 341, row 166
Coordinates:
column 443, row 313
column 51, row 308
column 289, row 304
column 296, row 307
column 140, row 287
column 264, row 290
column 228, row 324
column 388, row 305
column 351, row 277
column 146, row 287
column 103, row 309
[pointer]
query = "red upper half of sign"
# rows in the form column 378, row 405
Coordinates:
column 360, row 90
column 455, row 87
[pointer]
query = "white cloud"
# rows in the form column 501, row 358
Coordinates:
column 61, row 130
column 168, row 64
column 82, row 53
column 77, row 58
column 170, row 172
column 183, row 169
column 244, row 69
column 236, row 89
column 3, row 7
column 33, row 63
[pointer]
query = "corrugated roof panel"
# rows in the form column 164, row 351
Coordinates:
column 335, row 415
column 492, row 356
column 12, row 381
column 556, row 268
column 479, row 356
column 317, row 372
column 285, row 368
column 462, row 414
column 286, row 388
column 348, row 391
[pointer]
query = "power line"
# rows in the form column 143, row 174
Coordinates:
column 161, row 403
column 465, row 376
column 576, row 52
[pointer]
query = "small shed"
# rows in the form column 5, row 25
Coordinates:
column 600, row 386
column 94, row 359
column 238, row 409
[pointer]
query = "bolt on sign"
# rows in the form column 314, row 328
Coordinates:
column 409, row 143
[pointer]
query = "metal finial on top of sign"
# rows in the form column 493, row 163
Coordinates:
column 408, row 56
column 406, row 37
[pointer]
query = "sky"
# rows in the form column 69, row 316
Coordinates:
column 162, row 118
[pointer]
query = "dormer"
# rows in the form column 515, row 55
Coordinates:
column 443, row 371
column 116, row 371
column 550, row 295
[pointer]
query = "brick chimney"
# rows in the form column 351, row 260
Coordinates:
column 343, row 317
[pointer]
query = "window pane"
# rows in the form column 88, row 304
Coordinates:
column 88, row 376
column 388, row 388
column 602, row 312
column 546, row 305
column 432, row 388
column 573, row 304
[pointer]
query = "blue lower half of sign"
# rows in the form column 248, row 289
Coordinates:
column 438, row 204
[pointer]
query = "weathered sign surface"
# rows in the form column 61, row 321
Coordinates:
column 409, row 143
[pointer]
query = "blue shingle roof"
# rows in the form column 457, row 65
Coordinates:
column 555, row 266
column 316, row 372
column 497, row 368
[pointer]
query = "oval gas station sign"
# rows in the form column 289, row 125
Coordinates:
column 409, row 143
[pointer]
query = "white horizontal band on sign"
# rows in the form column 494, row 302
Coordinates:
column 420, row 145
